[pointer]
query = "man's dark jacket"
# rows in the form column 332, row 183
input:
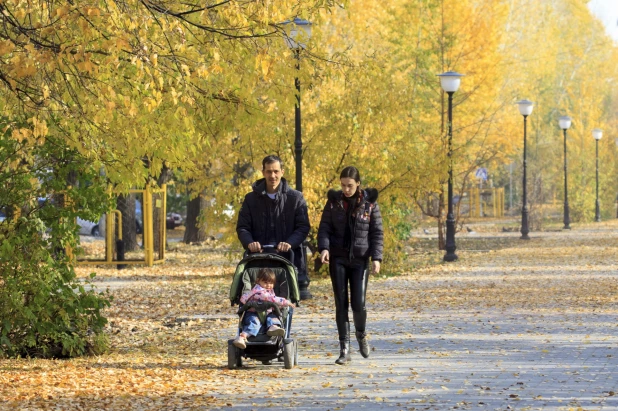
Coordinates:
column 365, row 226
column 290, row 213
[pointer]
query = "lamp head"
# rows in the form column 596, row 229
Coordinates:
column 597, row 133
column 297, row 33
column 450, row 81
column 525, row 107
column 565, row 122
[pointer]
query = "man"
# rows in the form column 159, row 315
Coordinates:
column 275, row 214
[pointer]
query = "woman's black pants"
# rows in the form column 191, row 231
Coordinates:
column 344, row 272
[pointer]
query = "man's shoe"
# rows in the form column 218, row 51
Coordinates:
column 240, row 342
column 275, row 331
column 363, row 344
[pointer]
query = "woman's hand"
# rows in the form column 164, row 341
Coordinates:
column 325, row 257
column 375, row 267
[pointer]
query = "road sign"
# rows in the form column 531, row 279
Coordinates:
column 481, row 173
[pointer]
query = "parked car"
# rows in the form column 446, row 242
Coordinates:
column 88, row 227
column 173, row 220
column 2, row 216
column 92, row 228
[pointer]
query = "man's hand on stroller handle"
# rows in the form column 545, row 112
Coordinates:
column 255, row 247
column 283, row 247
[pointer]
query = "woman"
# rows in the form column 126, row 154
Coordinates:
column 350, row 233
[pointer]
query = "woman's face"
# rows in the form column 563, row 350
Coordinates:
column 349, row 186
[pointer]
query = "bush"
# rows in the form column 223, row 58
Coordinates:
column 45, row 310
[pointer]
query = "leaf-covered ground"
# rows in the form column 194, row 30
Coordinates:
column 169, row 326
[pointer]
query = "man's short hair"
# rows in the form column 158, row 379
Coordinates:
column 271, row 159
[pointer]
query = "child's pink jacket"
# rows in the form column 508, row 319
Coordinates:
column 258, row 293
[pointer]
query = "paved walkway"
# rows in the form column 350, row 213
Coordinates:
column 529, row 327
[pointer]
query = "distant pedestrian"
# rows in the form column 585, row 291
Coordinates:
column 349, row 235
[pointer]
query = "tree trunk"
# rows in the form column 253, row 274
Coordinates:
column 193, row 232
column 126, row 205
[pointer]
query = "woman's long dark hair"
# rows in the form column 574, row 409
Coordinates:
column 351, row 172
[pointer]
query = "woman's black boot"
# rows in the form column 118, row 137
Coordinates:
column 344, row 352
column 363, row 344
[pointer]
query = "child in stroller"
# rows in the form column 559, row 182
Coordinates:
column 261, row 292
column 276, row 342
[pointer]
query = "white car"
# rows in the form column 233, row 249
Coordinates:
column 88, row 227
column 173, row 220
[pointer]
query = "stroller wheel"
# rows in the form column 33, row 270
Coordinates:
column 288, row 355
column 234, row 359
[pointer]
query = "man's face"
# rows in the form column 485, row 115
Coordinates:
column 272, row 173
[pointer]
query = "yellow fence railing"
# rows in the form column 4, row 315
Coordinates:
column 480, row 206
column 154, row 201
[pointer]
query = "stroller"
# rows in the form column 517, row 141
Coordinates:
column 263, row 347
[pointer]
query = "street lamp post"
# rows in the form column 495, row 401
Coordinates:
column 525, row 108
column 297, row 36
column 298, row 32
column 565, row 123
column 597, row 134
column 450, row 83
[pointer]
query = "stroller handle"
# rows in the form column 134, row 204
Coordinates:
column 272, row 249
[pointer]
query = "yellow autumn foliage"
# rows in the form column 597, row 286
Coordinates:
column 212, row 91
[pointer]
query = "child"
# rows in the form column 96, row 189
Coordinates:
column 262, row 291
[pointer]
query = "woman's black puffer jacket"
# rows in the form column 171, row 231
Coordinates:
column 366, row 230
